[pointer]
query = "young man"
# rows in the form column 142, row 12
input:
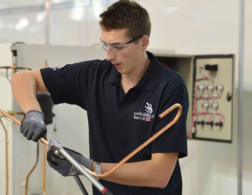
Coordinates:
column 123, row 96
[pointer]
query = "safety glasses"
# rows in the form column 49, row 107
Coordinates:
column 118, row 46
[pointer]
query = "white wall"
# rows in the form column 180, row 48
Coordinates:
column 187, row 27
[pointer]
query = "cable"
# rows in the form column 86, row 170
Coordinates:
column 200, row 97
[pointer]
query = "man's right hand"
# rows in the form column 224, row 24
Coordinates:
column 33, row 126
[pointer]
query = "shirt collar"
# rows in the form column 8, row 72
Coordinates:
column 149, row 78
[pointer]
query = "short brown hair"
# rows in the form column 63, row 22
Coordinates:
column 125, row 14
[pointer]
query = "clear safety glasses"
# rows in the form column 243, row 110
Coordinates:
column 118, row 46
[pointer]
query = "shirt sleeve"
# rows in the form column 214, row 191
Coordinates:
column 175, row 138
column 69, row 84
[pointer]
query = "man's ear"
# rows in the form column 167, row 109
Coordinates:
column 145, row 41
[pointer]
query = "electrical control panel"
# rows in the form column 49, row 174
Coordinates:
column 209, row 80
column 212, row 98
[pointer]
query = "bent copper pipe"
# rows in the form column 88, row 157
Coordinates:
column 6, row 158
column 7, row 151
column 32, row 169
column 42, row 140
column 151, row 139
column 125, row 159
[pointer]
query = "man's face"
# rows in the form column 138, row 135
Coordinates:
column 124, row 57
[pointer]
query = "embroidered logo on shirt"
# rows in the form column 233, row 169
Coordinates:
column 148, row 108
column 145, row 116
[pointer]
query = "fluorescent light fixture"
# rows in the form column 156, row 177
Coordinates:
column 40, row 17
column 22, row 23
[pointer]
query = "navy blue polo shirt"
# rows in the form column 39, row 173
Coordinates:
column 119, row 122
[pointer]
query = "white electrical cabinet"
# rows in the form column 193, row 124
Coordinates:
column 209, row 80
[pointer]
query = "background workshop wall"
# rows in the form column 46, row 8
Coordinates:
column 184, row 27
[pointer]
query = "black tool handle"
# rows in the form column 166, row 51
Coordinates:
column 80, row 184
column 108, row 193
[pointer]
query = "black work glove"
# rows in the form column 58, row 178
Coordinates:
column 63, row 166
column 33, row 126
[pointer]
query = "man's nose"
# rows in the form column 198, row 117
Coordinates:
column 110, row 54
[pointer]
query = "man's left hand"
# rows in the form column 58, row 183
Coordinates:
column 63, row 166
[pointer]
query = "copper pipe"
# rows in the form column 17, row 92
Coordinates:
column 6, row 157
column 43, row 140
column 27, row 177
column 15, row 113
column 7, row 150
column 45, row 153
column 44, row 162
column 44, row 170
column 151, row 139
column 14, row 68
